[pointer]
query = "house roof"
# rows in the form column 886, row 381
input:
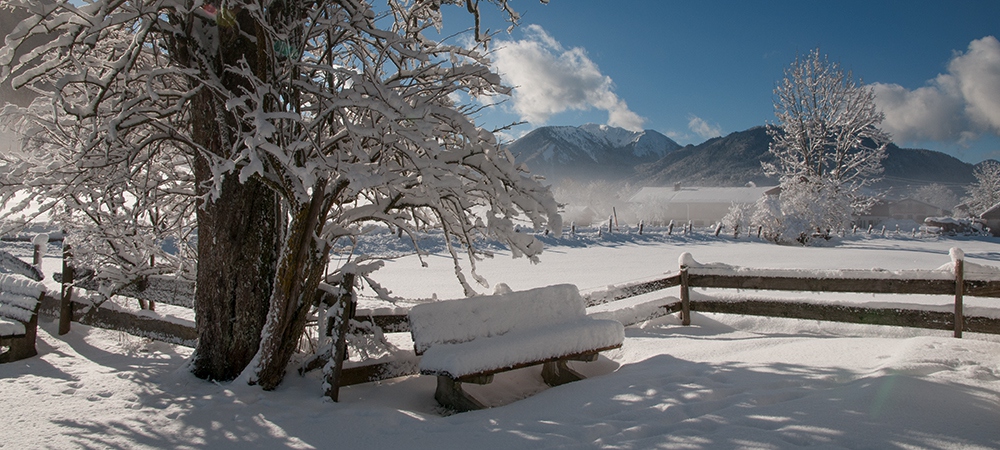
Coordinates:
column 913, row 200
column 693, row 194
column 993, row 212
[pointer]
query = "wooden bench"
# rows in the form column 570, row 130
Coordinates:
column 470, row 340
column 19, row 301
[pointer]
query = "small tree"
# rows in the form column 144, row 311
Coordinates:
column 738, row 218
column 827, row 145
column 767, row 216
column 985, row 192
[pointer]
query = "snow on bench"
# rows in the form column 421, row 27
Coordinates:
column 471, row 339
column 19, row 300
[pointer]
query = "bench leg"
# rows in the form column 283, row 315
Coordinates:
column 558, row 372
column 18, row 349
column 21, row 347
column 449, row 394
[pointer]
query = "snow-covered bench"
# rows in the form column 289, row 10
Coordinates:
column 470, row 340
column 19, row 300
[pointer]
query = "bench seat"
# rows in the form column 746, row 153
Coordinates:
column 19, row 301
column 11, row 328
column 470, row 340
column 515, row 350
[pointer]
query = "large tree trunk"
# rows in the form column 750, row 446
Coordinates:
column 239, row 233
column 238, row 241
column 300, row 270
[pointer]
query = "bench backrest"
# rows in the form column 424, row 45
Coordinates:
column 456, row 321
column 12, row 264
column 19, row 297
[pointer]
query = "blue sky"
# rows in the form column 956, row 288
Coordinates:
column 694, row 70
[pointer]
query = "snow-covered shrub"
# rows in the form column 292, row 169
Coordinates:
column 739, row 218
column 767, row 216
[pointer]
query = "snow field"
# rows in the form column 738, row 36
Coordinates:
column 724, row 382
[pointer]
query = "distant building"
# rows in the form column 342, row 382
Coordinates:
column 902, row 209
column 992, row 219
column 702, row 206
column 915, row 210
column 875, row 215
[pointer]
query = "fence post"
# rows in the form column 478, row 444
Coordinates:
column 685, row 297
column 959, row 292
column 152, row 263
column 36, row 254
column 346, row 300
column 66, row 296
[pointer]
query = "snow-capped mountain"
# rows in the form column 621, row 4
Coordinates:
column 591, row 151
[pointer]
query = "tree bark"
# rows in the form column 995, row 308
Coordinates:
column 239, row 233
column 299, row 272
column 238, row 239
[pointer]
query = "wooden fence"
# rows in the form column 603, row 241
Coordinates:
column 180, row 293
column 854, row 281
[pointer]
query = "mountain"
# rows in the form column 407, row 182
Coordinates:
column 734, row 160
column 648, row 158
column 589, row 151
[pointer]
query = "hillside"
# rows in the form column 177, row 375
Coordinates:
column 733, row 160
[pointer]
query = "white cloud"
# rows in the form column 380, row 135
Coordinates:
column 702, row 128
column 549, row 79
column 978, row 75
column 953, row 107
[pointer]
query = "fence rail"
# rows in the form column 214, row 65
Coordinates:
column 126, row 321
column 181, row 293
column 870, row 283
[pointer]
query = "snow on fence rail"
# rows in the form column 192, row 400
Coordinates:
column 143, row 323
column 957, row 278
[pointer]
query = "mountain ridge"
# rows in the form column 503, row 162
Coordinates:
column 731, row 160
column 589, row 150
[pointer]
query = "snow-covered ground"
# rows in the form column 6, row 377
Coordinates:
column 724, row 382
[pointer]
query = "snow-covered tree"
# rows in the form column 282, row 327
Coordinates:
column 121, row 209
column 125, row 222
column 739, row 218
column 938, row 195
column 302, row 122
column 985, row 192
column 827, row 145
column 767, row 216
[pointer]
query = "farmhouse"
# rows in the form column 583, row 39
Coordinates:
column 702, row 206
column 902, row 209
column 916, row 210
column 992, row 219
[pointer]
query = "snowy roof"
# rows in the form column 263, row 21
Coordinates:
column 991, row 212
column 725, row 195
column 913, row 200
